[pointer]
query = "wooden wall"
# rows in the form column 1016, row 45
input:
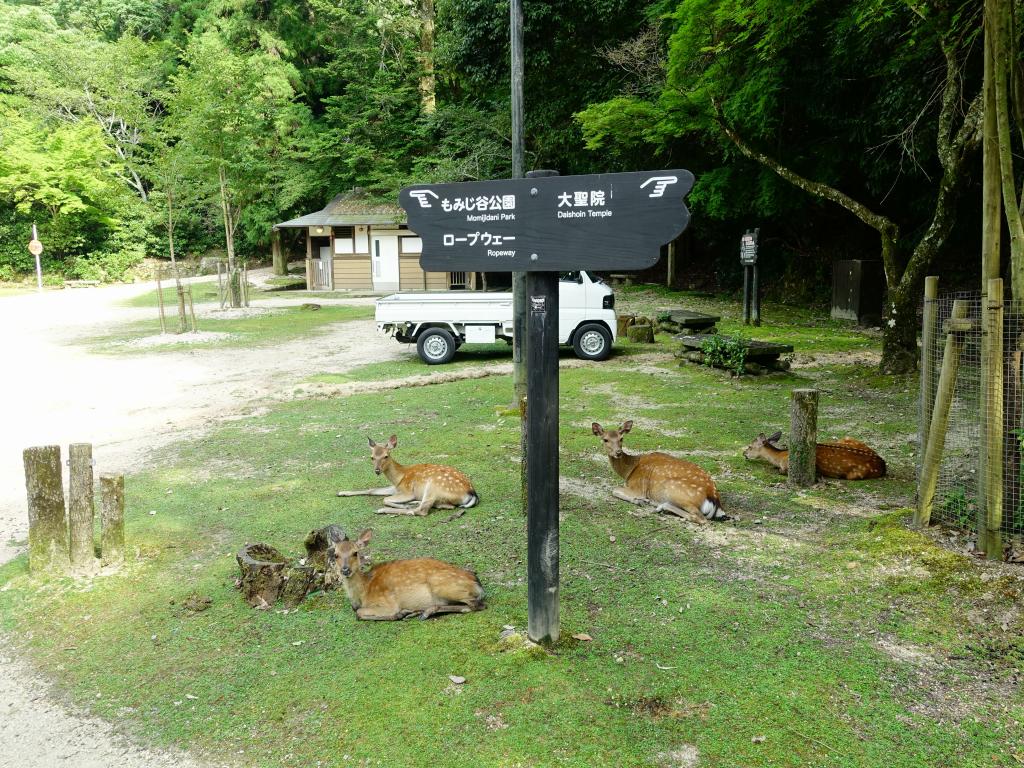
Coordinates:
column 353, row 272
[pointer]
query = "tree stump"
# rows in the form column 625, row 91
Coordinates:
column 112, row 519
column 316, row 544
column 299, row 581
column 624, row 321
column 263, row 574
column 642, row 334
column 47, row 520
column 803, row 444
column 81, row 509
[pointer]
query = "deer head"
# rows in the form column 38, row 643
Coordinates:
column 344, row 557
column 612, row 438
column 756, row 449
column 381, row 454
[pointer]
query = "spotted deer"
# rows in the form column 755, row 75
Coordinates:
column 399, row 589
column 846, row 459
column 670, row 484
column 418, row 488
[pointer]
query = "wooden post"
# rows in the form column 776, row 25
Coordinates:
column 940, row 417
column 928, row 335
column 990, row 529
column 542, row 457
column 277, row 253
column 112, row 494
column 182, row 317
column 803, row 438
column 160, row 300
column 81, row 510
column 47, row 521
column 670, row 266
column 192, row 310
column 221, row 292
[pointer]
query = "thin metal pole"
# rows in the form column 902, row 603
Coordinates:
column 755, row 298
column 542, row 458
column 39, row 266
column 746, row 295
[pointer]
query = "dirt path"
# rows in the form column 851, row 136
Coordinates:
column 54, row 392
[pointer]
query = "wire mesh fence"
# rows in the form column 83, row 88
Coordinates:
column 971, row 416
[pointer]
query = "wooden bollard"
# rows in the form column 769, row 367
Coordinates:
column 81, row 510
column 803, row 438
column 47, row 520
column 112, row 495
column 990, row 534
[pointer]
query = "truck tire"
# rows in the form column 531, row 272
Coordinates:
column 592, row 342
column 436, row 346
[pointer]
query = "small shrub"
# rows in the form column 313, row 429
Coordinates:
column 727, row 353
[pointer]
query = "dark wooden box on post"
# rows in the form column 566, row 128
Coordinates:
column 858, row 287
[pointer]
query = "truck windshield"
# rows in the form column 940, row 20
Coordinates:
column 570, row 277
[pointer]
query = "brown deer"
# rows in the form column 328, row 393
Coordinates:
column 418, row 488
column 670, row 484
column 847, row 459
column 399, row 589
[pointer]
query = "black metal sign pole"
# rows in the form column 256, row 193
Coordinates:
column 746, row 295
column 542, row 458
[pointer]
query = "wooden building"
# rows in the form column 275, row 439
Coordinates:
column 356, row 243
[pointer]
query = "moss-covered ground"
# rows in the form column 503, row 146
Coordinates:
column 814, row 629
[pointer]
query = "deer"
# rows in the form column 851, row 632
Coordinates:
column 669, row 484
column 846, row 459
column 418, row 488
column 399, row 589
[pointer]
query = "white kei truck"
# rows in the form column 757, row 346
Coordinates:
column 439, row 323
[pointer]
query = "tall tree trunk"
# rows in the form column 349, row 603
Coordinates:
column 234, row 276
column 428, row 85
column 999, row 23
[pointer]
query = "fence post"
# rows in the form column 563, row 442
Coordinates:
column 112, row 493
column 81, row 511
column 940, row 415
column 803, row 438
column 990, row 528
column 160, row 299
column 47, row 521
column 928, row 334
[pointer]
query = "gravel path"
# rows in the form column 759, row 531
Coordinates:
column 126, row 407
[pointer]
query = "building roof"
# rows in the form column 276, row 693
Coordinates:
column 349, row 209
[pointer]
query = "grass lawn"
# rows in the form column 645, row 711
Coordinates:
column 815, row 629
column 265, row 328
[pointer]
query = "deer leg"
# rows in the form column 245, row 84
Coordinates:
column 370, row 492
column 435, row 610
column 398, row 504
column 368, row 614
column 631, row 496
column 687, row 514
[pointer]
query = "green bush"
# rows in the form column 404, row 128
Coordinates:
column 727, row 353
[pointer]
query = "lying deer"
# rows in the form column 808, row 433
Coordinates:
column 418, row 488
column 401, row 588
column 670, row 484
column 847, row 459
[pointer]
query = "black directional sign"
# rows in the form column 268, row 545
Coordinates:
column 748, row 248
column 549, row 224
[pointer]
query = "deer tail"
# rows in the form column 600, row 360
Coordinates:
column 711, row 508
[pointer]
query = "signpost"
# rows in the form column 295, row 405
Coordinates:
column 36, row 248
column 751, row 289
column 543, row 226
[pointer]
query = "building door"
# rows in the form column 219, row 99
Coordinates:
column 323, row 277
column 384, row 255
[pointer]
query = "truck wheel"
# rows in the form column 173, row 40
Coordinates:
column 592, row 342
column 435, row 346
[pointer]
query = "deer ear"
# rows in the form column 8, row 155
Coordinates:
column 393, row 441
column 626, row 426
column 364, row 537
column 596, row 428
column 775, row 437
column 370, row 440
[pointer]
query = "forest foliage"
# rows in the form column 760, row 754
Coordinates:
column 249, row 113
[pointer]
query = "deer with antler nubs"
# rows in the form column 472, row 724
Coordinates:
column 417, row 488
column 399, row 589
column 846, row 459
column 670, row 484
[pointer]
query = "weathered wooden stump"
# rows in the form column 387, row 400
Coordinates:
column 81, row 510
column 624, row 321
column 263, row 570
column 47, row 521
column 316, row 543
column 803, row 442
column 112, row 519
column 642, row 334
